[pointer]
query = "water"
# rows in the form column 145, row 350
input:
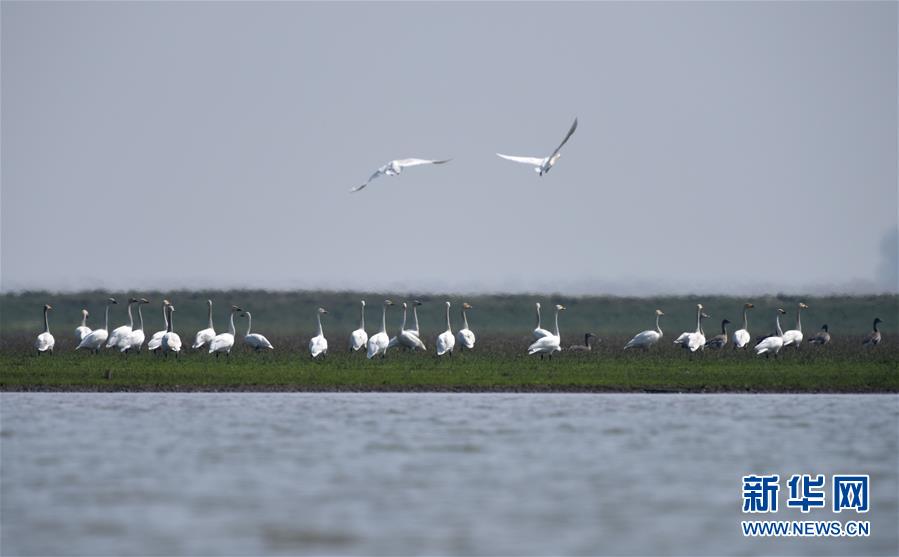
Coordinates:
column 250, row 474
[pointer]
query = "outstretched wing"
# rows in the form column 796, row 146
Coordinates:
column 404, row 163
column 567, row 137
column 378, row 173
column 534, row 161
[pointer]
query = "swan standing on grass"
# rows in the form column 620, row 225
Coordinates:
column 156, row 340
column 135, row 340
column 223, row 342
column 719, row 341
column 446, row 341
column 395, row 168
column 542, row 166
column 206, row 335
column 646, row 339
column 773, row 344
column 378, row 343
column 255, row 341
column 120, row 334
column 408, row 338
column 540, row 332
column 319, row 344
column 171, row 342
column 94, row 341
column 359, row 337
column 696, row 340
column 873, row 338
column 793, row 337
column 45, row 341
column 822, row 337
column 465, row 336
column 548, row 344
column 83, row 330
column 741, row 337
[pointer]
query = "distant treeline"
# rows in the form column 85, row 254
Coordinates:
column 292, row 313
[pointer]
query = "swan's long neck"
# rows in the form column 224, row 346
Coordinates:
column 465, row 317
column 746, row 319
column 723, row 328
column 107, row 317
column 557, row 323
column 362, row 321
column 318, row 317
column 415, row 316
column 403, row 326
column 799, row 319
column 130, row 318
column 249, row 322
column 538, row 317
column 210, row 316
column 233, row 330
column 140, row 317
column 384, row 319
column 875, row 327
column 84, row 320
column 780, row 331
column 658, row 329
column 448, row 326
column 698, row 320
column 46, row 322
column 171, row 323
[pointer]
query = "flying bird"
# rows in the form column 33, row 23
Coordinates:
column 543, row 165
column 395, row 168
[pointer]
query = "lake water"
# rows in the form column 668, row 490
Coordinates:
column 522, row 474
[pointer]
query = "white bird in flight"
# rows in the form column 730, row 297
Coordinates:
column 543, row 165
column 395, row 168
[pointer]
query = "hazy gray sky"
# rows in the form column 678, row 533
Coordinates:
column 722, row 147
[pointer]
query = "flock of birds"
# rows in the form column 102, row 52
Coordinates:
column 127, row 338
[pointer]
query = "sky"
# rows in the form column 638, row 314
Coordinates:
column 722, row 147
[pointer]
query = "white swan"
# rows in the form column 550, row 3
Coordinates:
column 540, row 332
column 772, row 344
column 318, row 345
column 543, row 165
column 135, row 340
column 205, row 335
column 695, row 340
column 359, row 337
column 395, row 168
column 94, row 341
column 83, row 330
column 155, row 342
column 465, row 337
column 171, row 342
column 548, row 344
column 407, row 338
column 647, row 338
column 793, row 337
column 45, row 341
column 256, row 341
column 415, row 304
column 379, row 342
column 223, row 342
column 120, row 334
column 741, row 337
column 446, row 341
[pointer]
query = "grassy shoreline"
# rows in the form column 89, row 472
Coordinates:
column 498, row 365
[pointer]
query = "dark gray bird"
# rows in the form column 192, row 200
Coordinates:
column 821, row 337
column 873, row 338
column 583, row 347
column 719, row 341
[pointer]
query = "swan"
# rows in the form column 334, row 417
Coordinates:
column 586, row 347
column 407, row 338
column 395, row 168
column 359, row 337
column 94, row 341
column 120, row 334
column 741, row 337
column 83, row 330
column 647, row 338
column 135, row 340
column 793, row 337
column 822, row 337
column 378, row 343
column 773, row 344
column 207, row 334
column 695, row 340
column 719, row 341
column 45, row 341
column 319, row 344
column 465, row 336
column 446, row 341
column 542, row 166
column 540, row 332
column 548, row 344
column 156, row 340
column 873, row 338
column 171, row 342
column 256, row 341
column 223, row 342
column 415, row 304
